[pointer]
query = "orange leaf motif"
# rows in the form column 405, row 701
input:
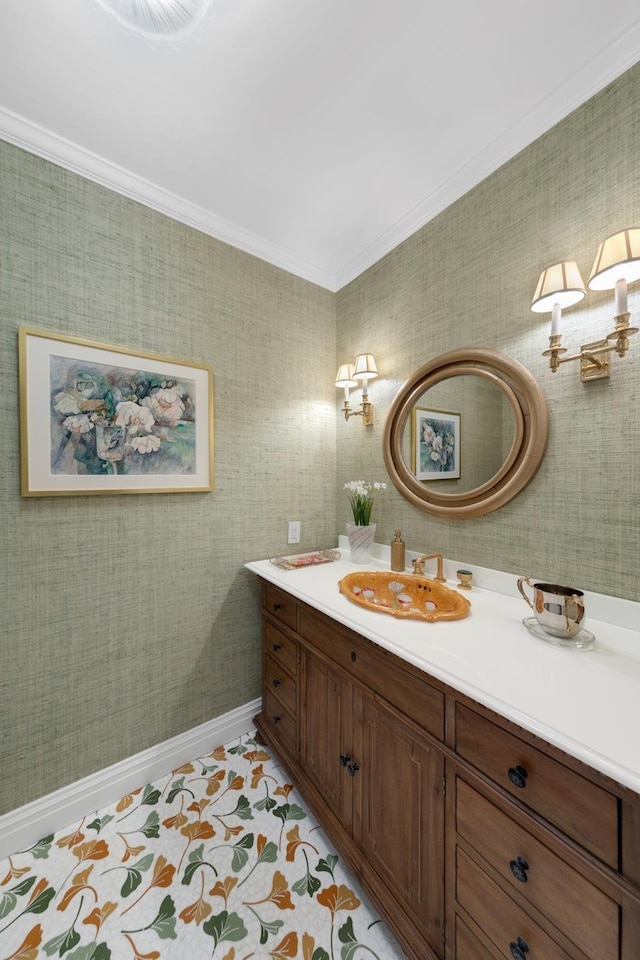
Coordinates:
column 99, row 914
column 71, row 839
column 338, row 898
column 279, row 894
column 162, row 873
column 178, row 821
column 294, row 842
column 14, row 873
column 231, row 954
column 28, row 949
column 308, row 943
column 130, row 849
column 199, row 806
column 93, row 850
column 197, row 911
column 79, row 883
column 283, row 791
column 256, row 775
column 185, row 768
column 213, row 783
column 261, row 843
column 224, row 888
column 253, row 755
column 231, row 832
column 218, row 754
column 154, row 955
column 198, row 830
column 37, row 890
column 287, row 947
column 237, row 783
column 127, row 801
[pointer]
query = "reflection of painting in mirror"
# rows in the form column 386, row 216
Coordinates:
column 435, row 444
column 488, row 428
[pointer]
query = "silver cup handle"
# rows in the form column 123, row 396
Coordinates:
column 528, row 582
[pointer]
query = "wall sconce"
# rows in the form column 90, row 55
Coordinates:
column 348, row 375
column 617, row 264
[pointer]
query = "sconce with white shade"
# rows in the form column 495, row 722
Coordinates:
column 561, row 285
column 347, row 377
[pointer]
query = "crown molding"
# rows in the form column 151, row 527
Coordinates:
column 48, row 145
column 585, row 83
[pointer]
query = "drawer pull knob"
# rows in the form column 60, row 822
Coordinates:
column 353, row 768
column 353, row 656
column 519, row 869
column 277, row 719
column 277, row 646
column 519, row 949
column 277, row 606
column 518, row 776
column 345, row 759
column 276, row 683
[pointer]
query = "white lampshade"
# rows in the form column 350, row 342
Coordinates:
column 560, row 283
column 618, row 258
column 159, row 20
column 365, row 368
column 344, row 376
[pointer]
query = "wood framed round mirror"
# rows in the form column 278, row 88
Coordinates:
column 461, row 448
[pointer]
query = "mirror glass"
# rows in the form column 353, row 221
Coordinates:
column 466, row 433
column 478, row 411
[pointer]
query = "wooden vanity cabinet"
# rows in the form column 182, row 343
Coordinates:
column 475, row 839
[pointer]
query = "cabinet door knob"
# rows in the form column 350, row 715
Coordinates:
column 353, row 656
column 277, row 646
column 277, row 719
column 345, row 759
column 353, row 768
column 276, row 682
column 277, row 606
column 519, row 869
column 518, row 776
column 519, row 949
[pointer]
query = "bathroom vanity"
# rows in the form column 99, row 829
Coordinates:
column 482, row 785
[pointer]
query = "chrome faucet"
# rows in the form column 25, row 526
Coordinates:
column 418, row 566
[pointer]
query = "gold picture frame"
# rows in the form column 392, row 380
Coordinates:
column 97, row 419
column 435, row 444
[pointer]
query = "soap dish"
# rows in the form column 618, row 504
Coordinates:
column 582, row 640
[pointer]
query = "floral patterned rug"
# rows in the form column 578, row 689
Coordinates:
column 219, row 859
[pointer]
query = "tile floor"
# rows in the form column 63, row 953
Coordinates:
column 219, row 859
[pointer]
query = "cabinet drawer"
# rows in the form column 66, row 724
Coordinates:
column 574, row 905
column 279, row 722
column 281, row 648
column 499, row 917
column 469, row 947
column 377, row 669
column 584, row 811
column 281, row 605
column 280, row 684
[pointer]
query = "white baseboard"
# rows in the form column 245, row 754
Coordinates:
column 24, row 826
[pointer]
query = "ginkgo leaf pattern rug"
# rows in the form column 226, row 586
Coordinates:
column 219, row 859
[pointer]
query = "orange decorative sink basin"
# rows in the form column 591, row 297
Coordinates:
column 404, row 595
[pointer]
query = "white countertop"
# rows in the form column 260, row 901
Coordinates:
column 586, row 702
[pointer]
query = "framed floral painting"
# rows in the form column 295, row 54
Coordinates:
column 96, row 418
column 435, row 444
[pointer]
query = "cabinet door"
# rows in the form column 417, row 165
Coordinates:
column 327, row 752
column 402, row 813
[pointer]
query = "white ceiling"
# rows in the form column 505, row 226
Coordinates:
column 316, row 134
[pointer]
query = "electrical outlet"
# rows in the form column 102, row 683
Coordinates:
column 294, row 531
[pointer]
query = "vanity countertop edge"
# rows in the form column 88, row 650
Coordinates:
column 585, row 702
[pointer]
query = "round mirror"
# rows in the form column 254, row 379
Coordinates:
column 466, row 433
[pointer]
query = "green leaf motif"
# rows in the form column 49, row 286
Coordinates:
column 151, row 828
column 307, row 884
column 151, row 795
column 10, row 898
column 176, row 787
column 289, row 811
column 225, row 926
column 326, row 865
column 41, row 902
column 165, row 923
column 41, row 849
column 240, row 855
column 134, row 875
column 351, row 944
column 269, row 853
column 267, row 804
column 267, row 928
column 243, row 809
column 99, row 823
column 196, row 860
column 63, row 943
column 92, row 951
column 320, row 954
column 239, row 750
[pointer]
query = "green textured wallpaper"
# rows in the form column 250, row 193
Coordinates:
column 466, row 279
column 126, row 620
